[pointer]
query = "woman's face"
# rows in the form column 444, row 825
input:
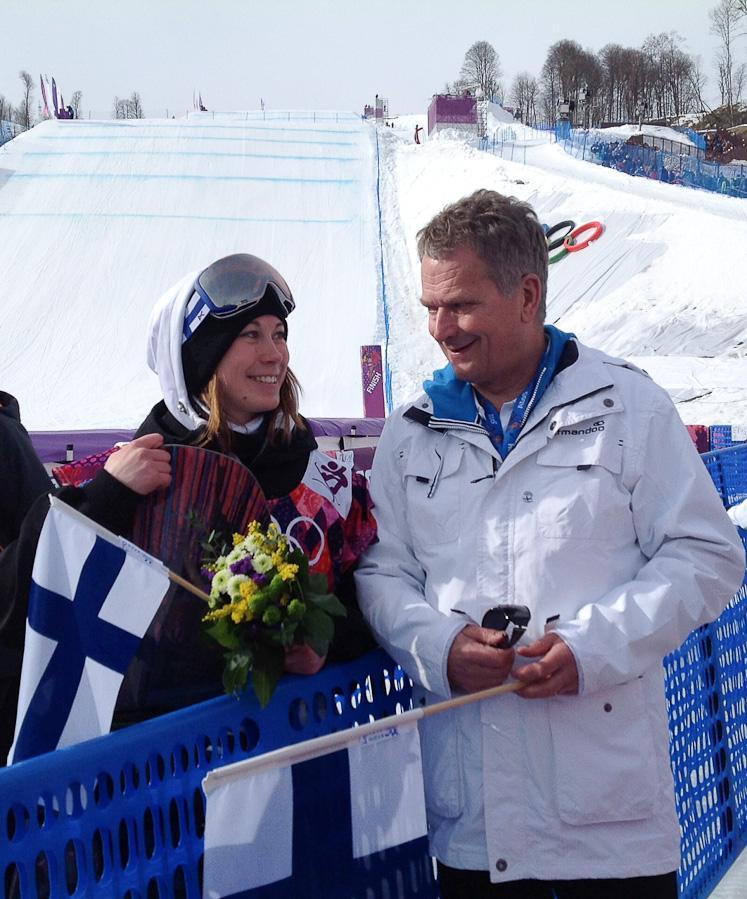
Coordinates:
column 253, row 370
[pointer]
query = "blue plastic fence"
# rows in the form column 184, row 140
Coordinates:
column 723, row 436
column 648, row 162
column 123, row 815
column 706, row 686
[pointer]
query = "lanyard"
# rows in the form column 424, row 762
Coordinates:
column 504, row 442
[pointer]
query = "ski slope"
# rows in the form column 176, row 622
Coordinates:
column 97, row 218
column 664, row 285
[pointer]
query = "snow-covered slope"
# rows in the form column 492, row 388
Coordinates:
column 97, row 218
column 663, row 285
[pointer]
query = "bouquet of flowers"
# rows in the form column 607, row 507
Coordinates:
column 263, row 599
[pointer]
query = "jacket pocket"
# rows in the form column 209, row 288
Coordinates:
column 442, row 765
column 581, row 495
column 433, row 494
column 604, row 755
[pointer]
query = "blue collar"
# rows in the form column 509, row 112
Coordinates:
column 454, row 400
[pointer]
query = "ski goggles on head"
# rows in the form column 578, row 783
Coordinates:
column 231, row 285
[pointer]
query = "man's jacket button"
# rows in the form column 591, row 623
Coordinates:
column 501, row 865
column 608, row 402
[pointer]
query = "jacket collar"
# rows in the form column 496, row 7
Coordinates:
column 583, row 380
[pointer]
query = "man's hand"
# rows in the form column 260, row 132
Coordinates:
column 476, row 661
column 301, row 659
column 555, row 673
column 142, row 465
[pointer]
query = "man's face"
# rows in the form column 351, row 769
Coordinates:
column 489, row 337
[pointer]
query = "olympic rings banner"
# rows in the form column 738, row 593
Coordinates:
column 563, row 238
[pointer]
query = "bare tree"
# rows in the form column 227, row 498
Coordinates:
column 6, row 110
column 569, row 75
column 135, row 106
column 76, row 101
column 481, row 70
column 698, row 82
column 131, row 108
column 524, row 94
column 24, row 109
column 456, row 87
column 724, row 19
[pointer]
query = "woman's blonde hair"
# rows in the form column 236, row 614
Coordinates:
column 281, row 423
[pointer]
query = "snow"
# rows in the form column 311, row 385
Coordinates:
column 98, row 218
column 626, row 131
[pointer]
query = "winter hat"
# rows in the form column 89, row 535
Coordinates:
column 212, row 323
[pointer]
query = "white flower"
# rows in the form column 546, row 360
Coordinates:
column 234, row 584
column 262, row 563
column 220, row 583
column 251, row 544
column 235, row 554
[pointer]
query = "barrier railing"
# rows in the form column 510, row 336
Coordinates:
column 123, row 815
column 690, row 170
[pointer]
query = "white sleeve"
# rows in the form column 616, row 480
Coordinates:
column 390, row 581
column 695, row 562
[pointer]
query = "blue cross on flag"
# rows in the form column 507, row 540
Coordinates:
column 330, row 824
column 92, row 597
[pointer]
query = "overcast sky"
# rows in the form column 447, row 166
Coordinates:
column 327, row 54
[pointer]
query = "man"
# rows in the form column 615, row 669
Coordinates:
column 536, row 471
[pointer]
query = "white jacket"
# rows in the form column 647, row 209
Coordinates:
column 604, row 515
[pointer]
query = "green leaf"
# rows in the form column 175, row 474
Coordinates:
column 317, row 583
column 222, row 632
column 318, row 630
column 268, row 668
column 329, row 603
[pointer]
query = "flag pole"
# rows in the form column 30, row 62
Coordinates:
column 126, row 545
column 178, row 579
column 318, row 746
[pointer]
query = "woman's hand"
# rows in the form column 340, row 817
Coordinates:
column 301, row 659
column 142, row 465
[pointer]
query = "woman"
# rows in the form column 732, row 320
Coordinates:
column 217, row 341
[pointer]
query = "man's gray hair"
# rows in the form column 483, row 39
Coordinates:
column 504, row 232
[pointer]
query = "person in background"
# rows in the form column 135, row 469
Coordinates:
column 24, row 476
column 418, row 129
column 538, row 472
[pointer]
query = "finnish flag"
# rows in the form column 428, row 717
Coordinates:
column 93, row 596
column 319, row 826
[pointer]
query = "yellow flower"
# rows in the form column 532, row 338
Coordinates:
column 287, row 571
column 238, row 538
column 247, row 589
column 239, row 611
column 217, row 614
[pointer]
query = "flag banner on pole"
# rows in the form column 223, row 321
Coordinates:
column 326, row 825
column 54, row 98
column 372, row 379
column 44, row 97
column 93, row 596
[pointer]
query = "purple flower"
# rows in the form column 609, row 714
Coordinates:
column 259, row 579
column 243, row 566
column 207, row 575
